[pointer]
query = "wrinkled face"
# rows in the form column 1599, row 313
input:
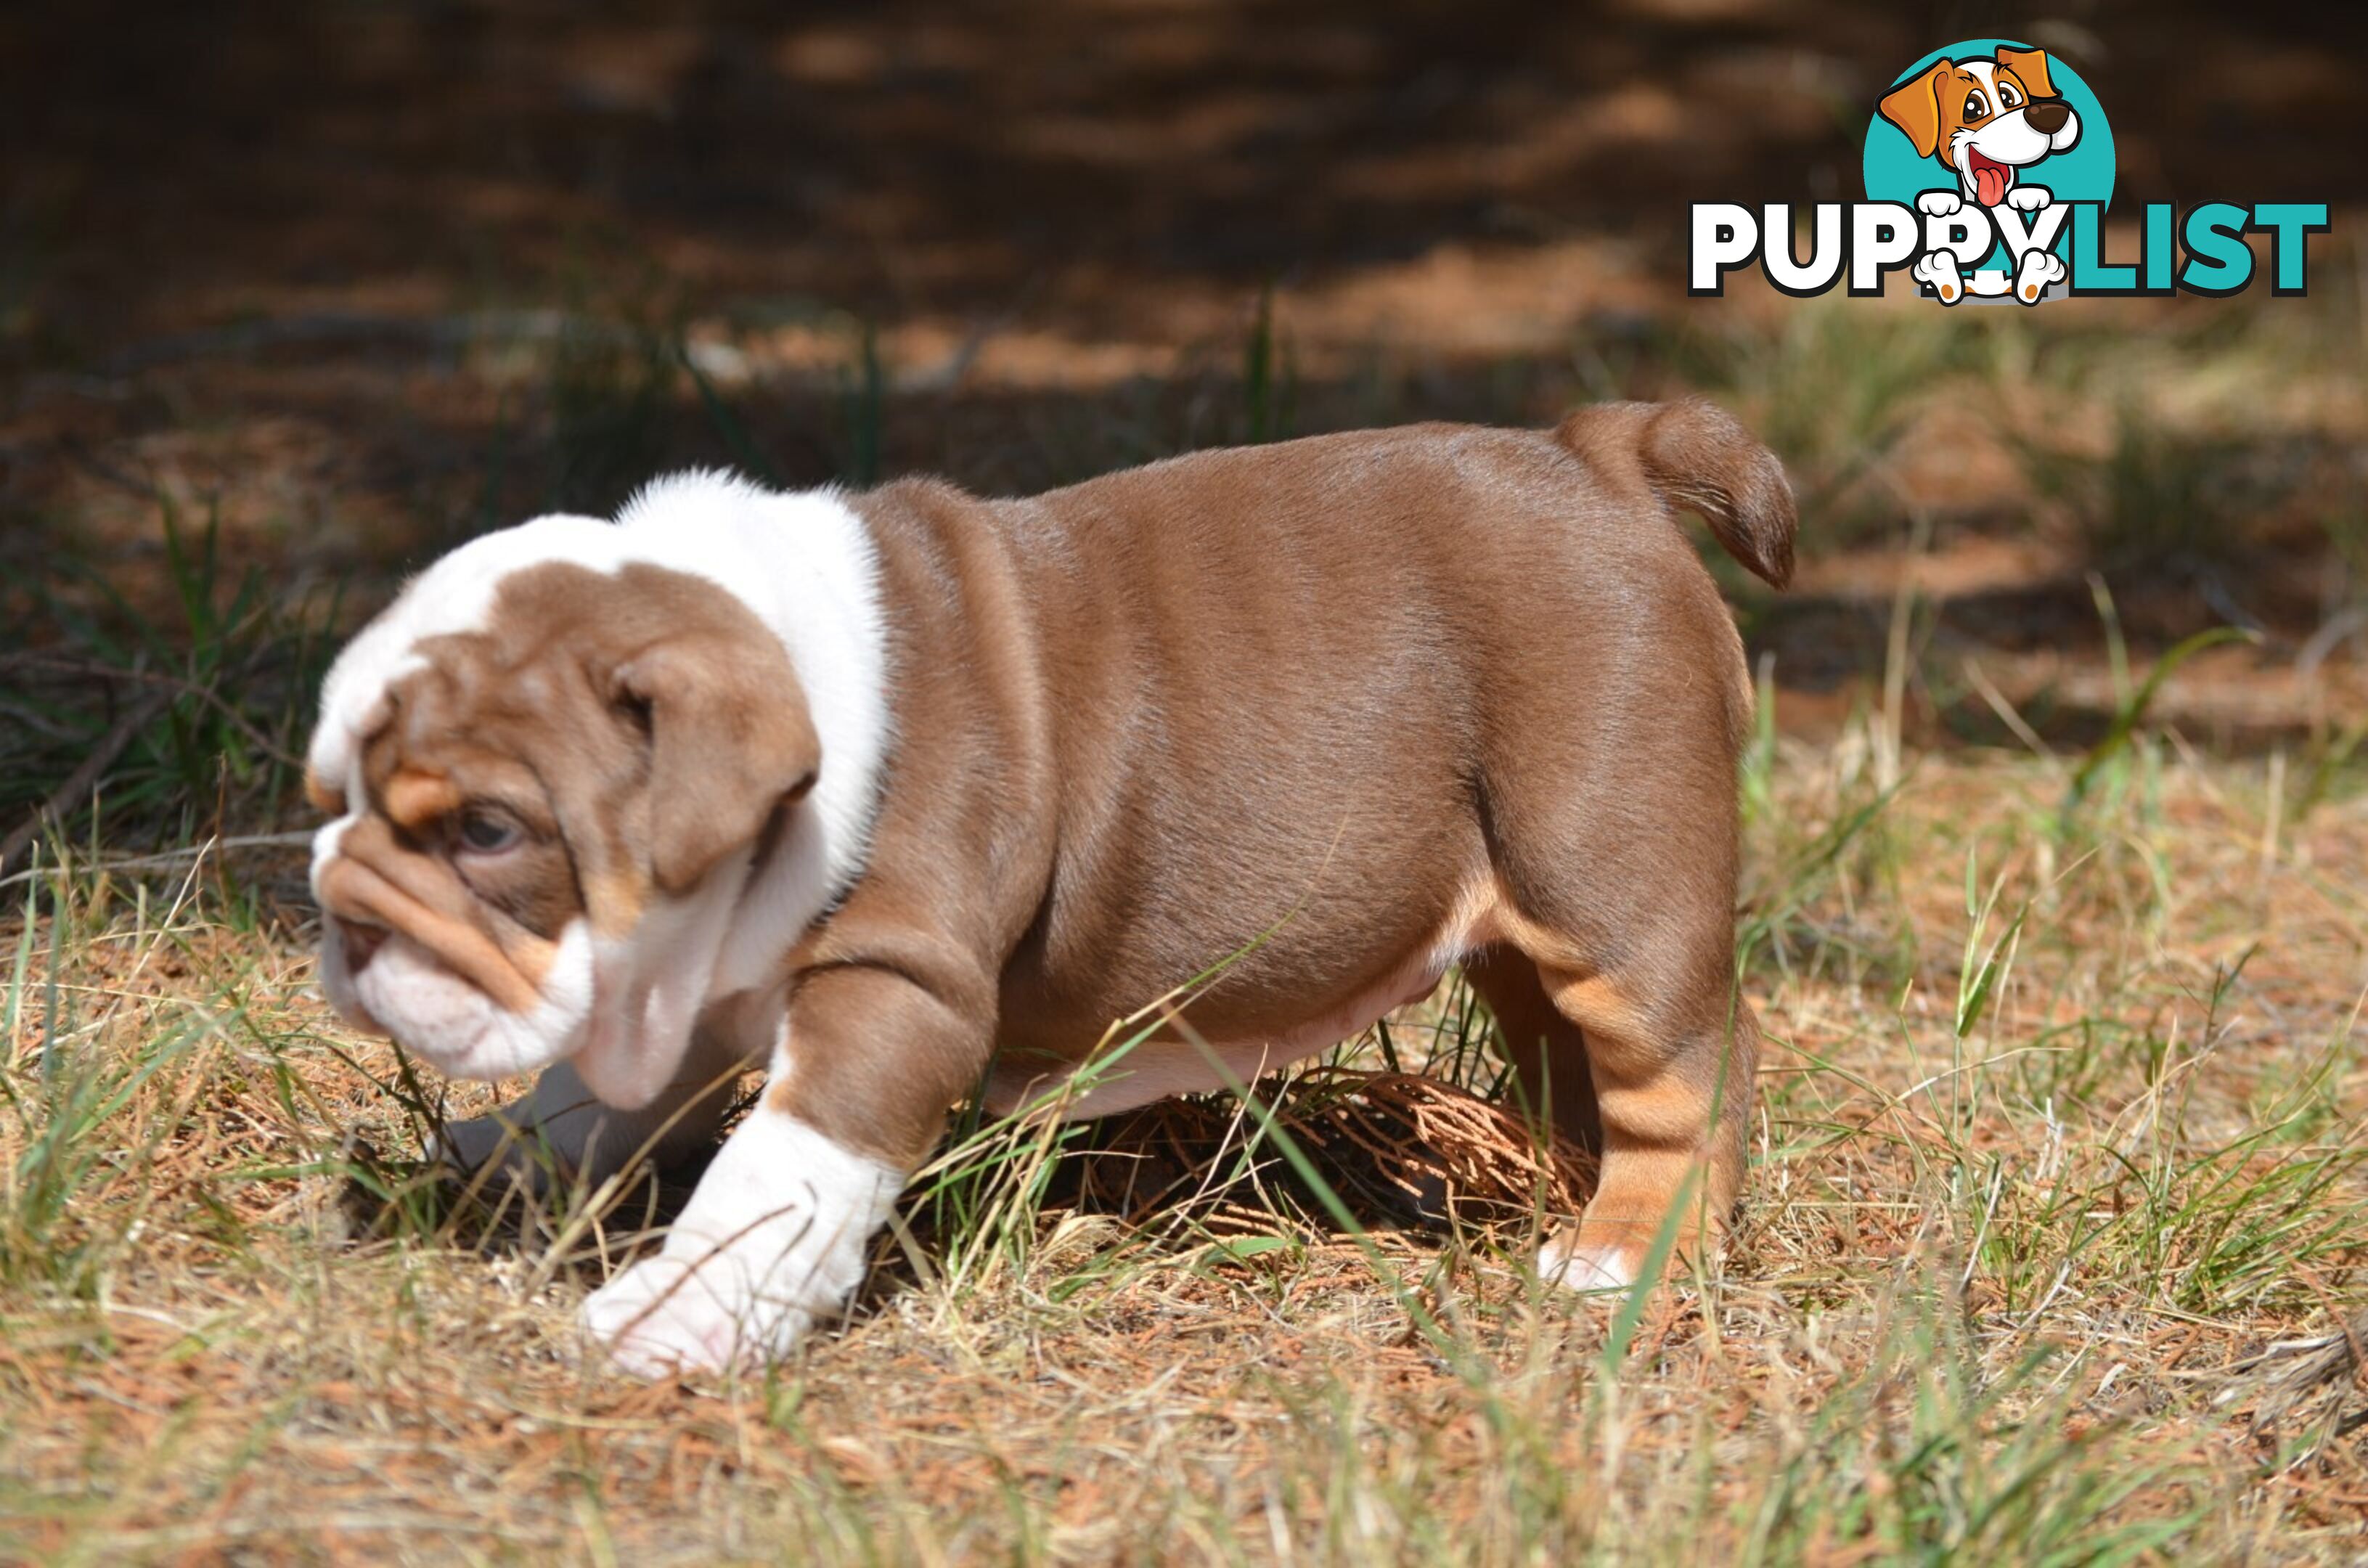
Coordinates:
column 542, row 822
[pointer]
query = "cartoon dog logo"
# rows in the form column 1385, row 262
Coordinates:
column 1985, row 121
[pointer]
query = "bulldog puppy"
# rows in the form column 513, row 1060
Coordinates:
column 909, row 794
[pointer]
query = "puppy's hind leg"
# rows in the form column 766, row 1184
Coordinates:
column 1939, row 271
column 2035, row 272
column 1547, row 1052
column 1628, row 919
column 1672, row 1078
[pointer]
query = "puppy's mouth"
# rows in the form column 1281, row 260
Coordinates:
column 1991, row 177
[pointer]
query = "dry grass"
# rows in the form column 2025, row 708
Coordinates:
column 2033, row 1185
column 2056, row 1227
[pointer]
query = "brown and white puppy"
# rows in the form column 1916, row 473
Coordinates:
column 911, row 793
column 1987, row 120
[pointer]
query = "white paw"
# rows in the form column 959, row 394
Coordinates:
column 1584, row 1268
column 1939, row 203
column 773, row 1240
column 668, row 1314
column 2035, row 272
column 2029, row 197
column 1938, row 270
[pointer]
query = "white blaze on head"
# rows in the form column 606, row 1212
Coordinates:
column 453, row 596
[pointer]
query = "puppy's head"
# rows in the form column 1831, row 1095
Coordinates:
column 1985, row 119
column 548, row 781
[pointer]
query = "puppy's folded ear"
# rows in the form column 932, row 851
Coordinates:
column 2030, row 68
column 730, row 741
column 1914, row 105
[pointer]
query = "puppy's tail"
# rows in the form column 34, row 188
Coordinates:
column 1693, row 455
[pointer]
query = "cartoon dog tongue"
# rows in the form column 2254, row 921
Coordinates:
column 1991, row 179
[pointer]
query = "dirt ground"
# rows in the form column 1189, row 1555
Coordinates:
column 2047, row 1265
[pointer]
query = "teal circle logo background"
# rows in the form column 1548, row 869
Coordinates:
column 2082, row 172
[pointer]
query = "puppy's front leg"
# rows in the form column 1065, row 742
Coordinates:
column 561, row 1128
column 773, row 1240
column 777, row 1235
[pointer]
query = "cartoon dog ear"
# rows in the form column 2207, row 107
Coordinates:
column 2030, row 68
column 729, row 740
column 1914, row 105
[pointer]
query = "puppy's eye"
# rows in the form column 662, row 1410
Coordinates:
column 2008, row 96
column 487, row 833
column 1977, row 105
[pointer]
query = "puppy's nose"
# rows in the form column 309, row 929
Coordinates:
column 361, row 939
column 2047, row 116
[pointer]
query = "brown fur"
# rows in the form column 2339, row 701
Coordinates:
column 1293, row 700
column 1334, row 712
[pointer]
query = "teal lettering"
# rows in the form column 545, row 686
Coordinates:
column 2219, row 261
column 2290, row 224
column 2090, row 275
column 2160, row 251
